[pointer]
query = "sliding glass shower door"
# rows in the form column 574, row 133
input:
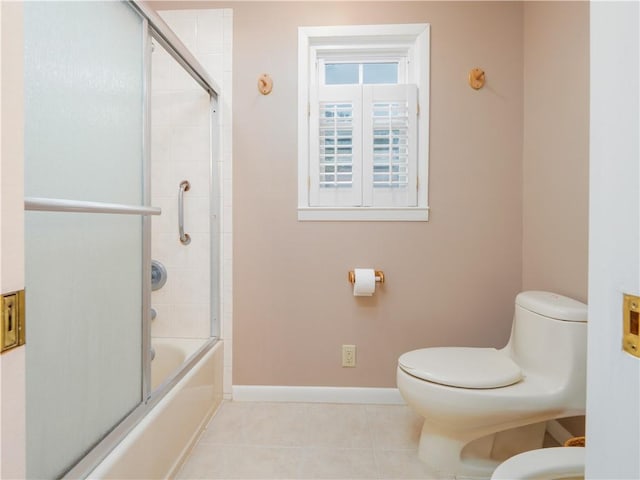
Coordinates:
column 85, row 272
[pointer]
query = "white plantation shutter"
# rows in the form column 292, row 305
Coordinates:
column 390, row 145
column 335, row 166
column 364, row 146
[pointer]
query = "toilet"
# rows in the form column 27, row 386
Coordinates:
column 484, row 405
column 545, row 464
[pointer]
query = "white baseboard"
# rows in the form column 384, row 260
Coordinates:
column 270, row 393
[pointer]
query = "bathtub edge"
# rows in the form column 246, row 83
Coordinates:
column 147, row 451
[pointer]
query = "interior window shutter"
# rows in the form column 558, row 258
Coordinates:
column 335, row 133
column 390, row 145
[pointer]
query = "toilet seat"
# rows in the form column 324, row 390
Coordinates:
column 463, row 367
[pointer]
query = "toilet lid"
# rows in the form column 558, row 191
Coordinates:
column 462, row 367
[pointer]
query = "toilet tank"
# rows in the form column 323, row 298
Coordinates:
column 549, row 337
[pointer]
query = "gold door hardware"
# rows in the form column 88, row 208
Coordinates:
column 476, row 78
column 631, row 325
column 379, row 276
column 12, row 331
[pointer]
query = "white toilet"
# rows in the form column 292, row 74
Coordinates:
column 482, row 405
column 545, row 464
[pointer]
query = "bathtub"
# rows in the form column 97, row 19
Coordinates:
column 158, row 445
column 170, row 354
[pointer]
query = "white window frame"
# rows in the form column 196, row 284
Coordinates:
column 319, row 44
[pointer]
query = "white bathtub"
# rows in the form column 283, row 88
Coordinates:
column 171, row 353
column 159, row 444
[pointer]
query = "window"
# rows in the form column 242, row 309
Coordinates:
column 362, row 139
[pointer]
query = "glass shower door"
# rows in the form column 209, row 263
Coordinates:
column 181, row 183
column 84, row 124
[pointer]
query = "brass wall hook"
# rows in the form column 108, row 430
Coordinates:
column 265, row 84
column 476, row 78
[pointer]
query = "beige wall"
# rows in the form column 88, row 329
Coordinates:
column 449, row 281
column 508, row 192
column 556, row 147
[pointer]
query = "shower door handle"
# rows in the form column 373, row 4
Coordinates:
column 185, row 239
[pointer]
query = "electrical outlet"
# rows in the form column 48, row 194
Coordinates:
column 348, row 355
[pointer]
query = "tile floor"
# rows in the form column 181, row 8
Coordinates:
column 246, row 440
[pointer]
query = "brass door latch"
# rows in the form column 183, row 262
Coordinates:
column 631, row 325
column 12, row 331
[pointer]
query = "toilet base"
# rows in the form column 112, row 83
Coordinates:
column 474, row 454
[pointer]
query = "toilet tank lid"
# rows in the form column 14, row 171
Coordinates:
column 553, row 306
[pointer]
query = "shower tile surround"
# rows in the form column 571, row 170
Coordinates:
column 182, row 305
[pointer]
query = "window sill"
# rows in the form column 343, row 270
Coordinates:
column 364, row 214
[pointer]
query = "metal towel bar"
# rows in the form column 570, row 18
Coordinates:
column 185, row 239
column 76, row 206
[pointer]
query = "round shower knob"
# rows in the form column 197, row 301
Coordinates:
column 158, row 275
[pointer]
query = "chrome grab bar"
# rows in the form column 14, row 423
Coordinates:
column 185, row 239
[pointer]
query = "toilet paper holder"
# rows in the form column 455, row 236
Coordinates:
column 379, row 276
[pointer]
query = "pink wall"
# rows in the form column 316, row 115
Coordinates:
column 556, row 147
column 449, row 281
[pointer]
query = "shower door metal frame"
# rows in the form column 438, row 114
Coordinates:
column 159, row 30
column 155, row 28
column 174, row 46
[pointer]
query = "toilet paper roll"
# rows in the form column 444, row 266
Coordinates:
column 365, row 283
